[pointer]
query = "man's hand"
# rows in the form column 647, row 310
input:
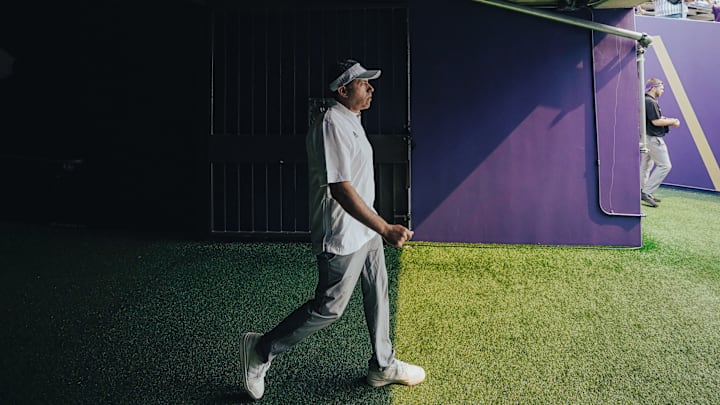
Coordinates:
column 666, row 122
column 396, row 235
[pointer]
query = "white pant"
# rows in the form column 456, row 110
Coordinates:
column 657, row 155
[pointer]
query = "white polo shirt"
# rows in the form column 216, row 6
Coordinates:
column 338, row 150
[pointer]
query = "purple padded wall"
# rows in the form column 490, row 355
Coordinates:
column 617, row 103
column 504, row 126
column 691, row 49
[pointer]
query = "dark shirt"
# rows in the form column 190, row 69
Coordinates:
column 652, row 112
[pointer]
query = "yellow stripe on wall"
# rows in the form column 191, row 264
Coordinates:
column 687, row 111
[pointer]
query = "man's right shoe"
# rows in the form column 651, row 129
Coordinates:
column 397, row 373
column 648, row 199
column 253, row 367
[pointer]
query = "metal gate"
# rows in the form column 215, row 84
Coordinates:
column 268, row 71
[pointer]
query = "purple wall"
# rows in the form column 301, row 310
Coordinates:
column 692, row 50
column 504, row 123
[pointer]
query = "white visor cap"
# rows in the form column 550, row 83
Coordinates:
column 355, row 71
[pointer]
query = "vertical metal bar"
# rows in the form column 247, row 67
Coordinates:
column 408, row 123
column 267, row 199
column 323, row 49
column 224, row 120
column 212, row 73
column 239, row 199
column 279, row 90
column 379, row 186
column 240, row 82
column 225, row 195
column 225, row 76
column 378, row 38
column 280, row 107
column 212, row 117
column 394, row 188
column 336, row 35
column 252, row 46
column 251, row 83
column 252, row 197
column 295, row 192
column 280, row 198
column 212, row 198
column 267, row 54
column 641, row 85
column 308, row 24
column 294, row 71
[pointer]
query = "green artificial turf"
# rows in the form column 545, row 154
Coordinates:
column 91, row 317
column 105, row 318
column 529, row 324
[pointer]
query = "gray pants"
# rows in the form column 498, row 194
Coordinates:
column 658, row 156
column 337, row 278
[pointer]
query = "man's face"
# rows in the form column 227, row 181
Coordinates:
column 659, row 90
column 358, row 95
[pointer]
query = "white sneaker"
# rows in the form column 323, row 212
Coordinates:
column 253, row 368
column 398, row 373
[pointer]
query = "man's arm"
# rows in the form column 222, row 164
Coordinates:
column 344, row 193
column 666, row 122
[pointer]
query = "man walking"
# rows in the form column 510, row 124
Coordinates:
column 346, row 235
column 657, row 153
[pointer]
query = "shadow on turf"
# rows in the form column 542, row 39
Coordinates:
column 217, row 393
column 330, row 390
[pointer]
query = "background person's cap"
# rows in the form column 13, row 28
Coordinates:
column 349, row 70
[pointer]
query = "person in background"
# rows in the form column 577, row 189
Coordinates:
column 347, row 238
column 657, row 126
column 670, row 8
